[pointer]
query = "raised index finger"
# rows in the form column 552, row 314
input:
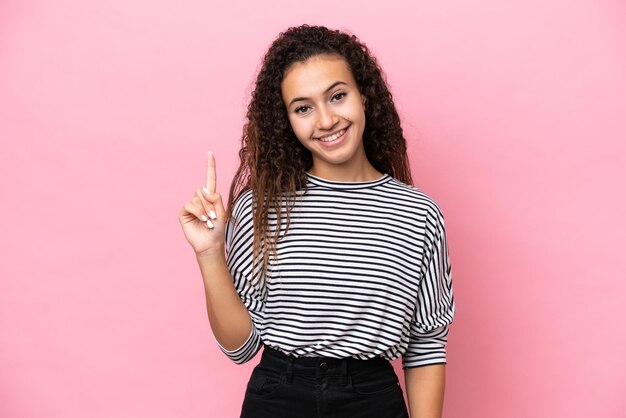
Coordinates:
column 211, row 176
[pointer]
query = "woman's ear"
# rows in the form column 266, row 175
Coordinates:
column 364, row 102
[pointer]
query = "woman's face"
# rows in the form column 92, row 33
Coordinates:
column 327, row 114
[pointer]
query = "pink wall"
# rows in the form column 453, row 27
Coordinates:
column 515, row 114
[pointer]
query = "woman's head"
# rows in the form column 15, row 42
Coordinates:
column 269, row 134
column 273, row 160
column 327, row 115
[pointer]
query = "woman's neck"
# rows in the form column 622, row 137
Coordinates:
column 366, row 172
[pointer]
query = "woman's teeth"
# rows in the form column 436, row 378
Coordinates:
column 332, row 137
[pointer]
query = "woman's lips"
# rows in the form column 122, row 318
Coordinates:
column 336, row 140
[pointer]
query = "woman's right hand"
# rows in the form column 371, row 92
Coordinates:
column 203, row 219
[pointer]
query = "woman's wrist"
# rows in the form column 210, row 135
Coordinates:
column 212, row 255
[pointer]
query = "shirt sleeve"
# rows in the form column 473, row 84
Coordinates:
column 250, row 285
column 435, row 304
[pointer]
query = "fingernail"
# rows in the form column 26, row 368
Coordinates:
column 212, row 214
column 204, row 218
column 206, row 190
column 210, row 224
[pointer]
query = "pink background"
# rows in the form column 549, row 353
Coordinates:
column 515, row 114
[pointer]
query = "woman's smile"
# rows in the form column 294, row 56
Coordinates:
column 335, row 138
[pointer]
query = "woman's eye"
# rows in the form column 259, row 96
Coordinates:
column 301, row 109
column 338, row 96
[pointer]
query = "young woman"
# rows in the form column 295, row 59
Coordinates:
column 327, row 256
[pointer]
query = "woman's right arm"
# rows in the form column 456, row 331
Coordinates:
column 228, row 316
column 203, row 220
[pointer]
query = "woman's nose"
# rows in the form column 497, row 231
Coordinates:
column 326, row 118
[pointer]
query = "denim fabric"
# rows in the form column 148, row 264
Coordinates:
column 287, row 387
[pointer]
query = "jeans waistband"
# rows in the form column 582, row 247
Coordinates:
column 320, row 365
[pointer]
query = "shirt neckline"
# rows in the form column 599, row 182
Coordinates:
column 332, row 184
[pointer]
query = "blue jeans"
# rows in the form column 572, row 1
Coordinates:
column 282, row 386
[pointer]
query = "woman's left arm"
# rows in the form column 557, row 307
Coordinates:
column 425, row 387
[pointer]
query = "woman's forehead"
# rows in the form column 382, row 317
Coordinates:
column 316, row 74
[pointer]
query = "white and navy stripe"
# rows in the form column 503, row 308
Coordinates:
column 362, row 272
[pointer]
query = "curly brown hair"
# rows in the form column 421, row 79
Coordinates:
column 273, row 163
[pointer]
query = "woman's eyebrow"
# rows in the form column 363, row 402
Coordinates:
column 332, row 86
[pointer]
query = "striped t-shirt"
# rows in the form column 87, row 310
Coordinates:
column 363, row 271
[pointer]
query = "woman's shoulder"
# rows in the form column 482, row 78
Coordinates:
column 242, row 206
column 415, row 196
